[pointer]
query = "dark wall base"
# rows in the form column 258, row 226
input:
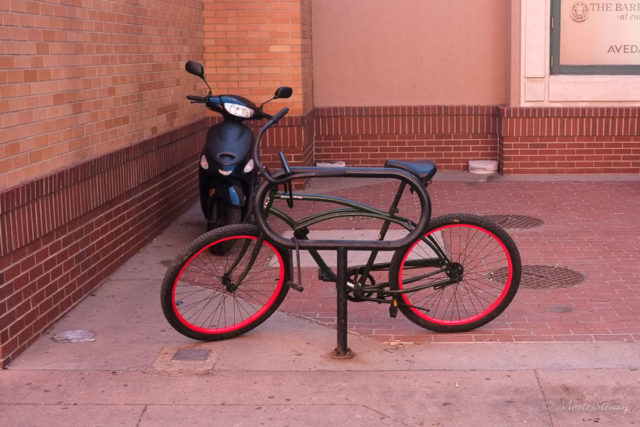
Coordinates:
column 367, row 136
column 63, row 234
column 523, row 140
column 569, row 140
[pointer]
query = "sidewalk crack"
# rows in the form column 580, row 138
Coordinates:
column 144, row 411
column 545, row 403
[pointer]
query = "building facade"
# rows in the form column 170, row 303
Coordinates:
column 98, row 147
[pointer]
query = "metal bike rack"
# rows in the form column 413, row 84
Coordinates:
column 343, row 246
column 341, row 350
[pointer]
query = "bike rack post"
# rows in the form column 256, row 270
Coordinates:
column 342, row 351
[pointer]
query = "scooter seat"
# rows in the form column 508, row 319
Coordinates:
column 423, row 169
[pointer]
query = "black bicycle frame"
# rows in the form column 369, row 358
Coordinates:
column 357, row 209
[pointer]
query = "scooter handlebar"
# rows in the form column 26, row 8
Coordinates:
column 195, row 98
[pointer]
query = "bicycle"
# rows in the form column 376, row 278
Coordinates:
column 450, row 274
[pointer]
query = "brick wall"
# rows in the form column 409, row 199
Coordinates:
column 523, row 140
column 306, row 55
column 65, row 233
column 569, row 140
column 80, row 79
column 367, row 136
column 98, row 147
column 252, row 47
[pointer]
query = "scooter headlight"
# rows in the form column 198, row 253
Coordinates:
column 238, row 110
column 203, row 162
column 249, row 166
column 224, row 172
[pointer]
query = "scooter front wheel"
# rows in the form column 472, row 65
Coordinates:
column 221, row 214
column 212, row 297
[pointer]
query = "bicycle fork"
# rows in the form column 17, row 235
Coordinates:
column 229, row 284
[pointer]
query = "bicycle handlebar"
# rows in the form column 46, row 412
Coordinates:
column 256, row 147
column 280, row 114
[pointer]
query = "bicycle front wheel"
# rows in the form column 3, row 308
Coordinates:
column 460, row 275
column 212, row 295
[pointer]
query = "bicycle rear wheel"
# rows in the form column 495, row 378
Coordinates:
column 211, row 296
column 468, row 284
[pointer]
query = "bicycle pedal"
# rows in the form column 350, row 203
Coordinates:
column 393, row 309
column 294, row 285
column 324, row 276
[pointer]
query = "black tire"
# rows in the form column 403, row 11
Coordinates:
column 197, row 294
column 486, row 261
column 221, row 214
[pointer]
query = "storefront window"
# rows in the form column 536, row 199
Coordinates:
column 595, row 37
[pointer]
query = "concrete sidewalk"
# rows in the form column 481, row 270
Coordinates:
column 137, row 371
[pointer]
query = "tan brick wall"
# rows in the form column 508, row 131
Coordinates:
column 78, row 80
column 307, row 56
column 252, row 47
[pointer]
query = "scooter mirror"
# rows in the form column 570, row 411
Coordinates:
column 283, row 92
column 194, row 68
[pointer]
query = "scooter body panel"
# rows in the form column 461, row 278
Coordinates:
column 228, row 144
column 227, row 148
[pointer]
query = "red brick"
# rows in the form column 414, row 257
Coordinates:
column 599, row 137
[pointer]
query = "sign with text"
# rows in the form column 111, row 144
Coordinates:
column 599, row 33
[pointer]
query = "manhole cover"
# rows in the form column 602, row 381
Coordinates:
column 515, row 221
column 542, row 276
column 191, row 354
column 559, row 309
column 74, row 336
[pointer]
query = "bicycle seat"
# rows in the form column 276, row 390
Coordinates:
column 423, row 169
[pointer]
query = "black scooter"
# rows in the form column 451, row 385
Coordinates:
column 227, row 171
